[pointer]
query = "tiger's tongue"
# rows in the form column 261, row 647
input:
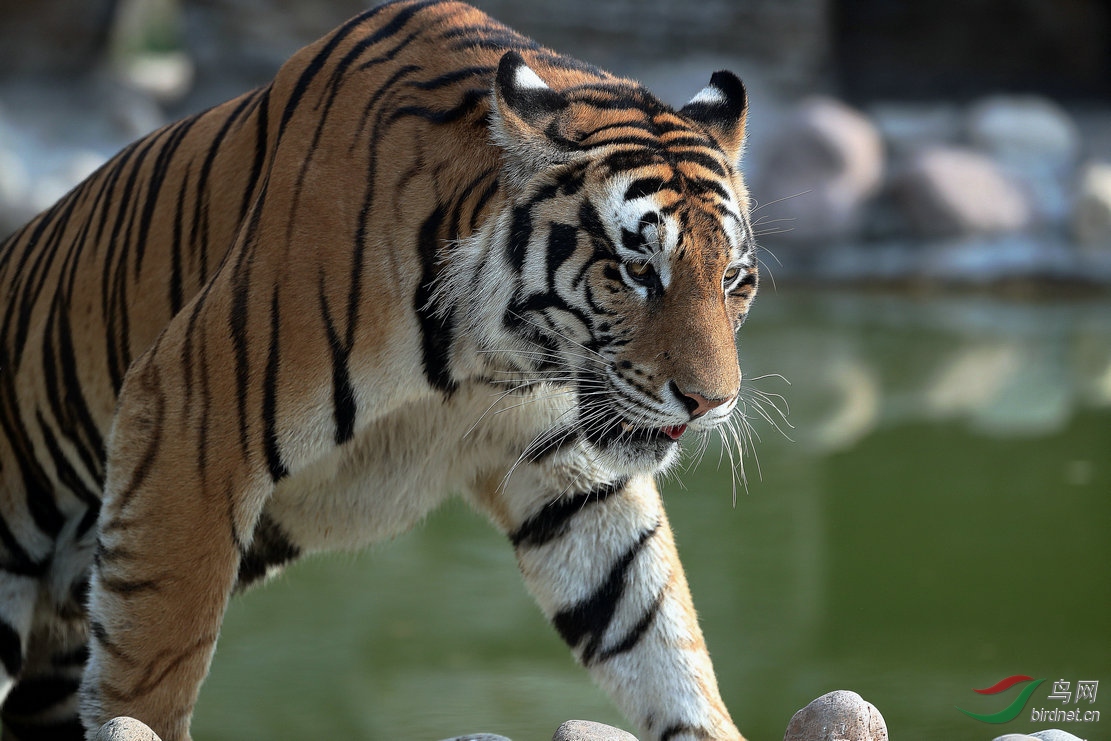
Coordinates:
column 674, row 431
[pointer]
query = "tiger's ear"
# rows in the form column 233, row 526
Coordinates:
column 522, row 118
column 722, row 107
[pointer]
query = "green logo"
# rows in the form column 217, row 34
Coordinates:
column 1010, row 712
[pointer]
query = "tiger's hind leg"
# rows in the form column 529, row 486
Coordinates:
column 42, row 706
column 17, row 604
column 44, row 642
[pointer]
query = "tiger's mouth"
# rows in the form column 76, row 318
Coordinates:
column 632, row 448
column 672, row 431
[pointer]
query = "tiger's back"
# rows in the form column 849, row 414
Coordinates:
column 251, row 334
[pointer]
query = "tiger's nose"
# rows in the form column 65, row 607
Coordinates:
column 697, row 404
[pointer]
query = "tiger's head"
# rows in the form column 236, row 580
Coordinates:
column 623, row 262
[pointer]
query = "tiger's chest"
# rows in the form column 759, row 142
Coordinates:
column 406, row 463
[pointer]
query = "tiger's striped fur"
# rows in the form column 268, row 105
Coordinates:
column 429, row 257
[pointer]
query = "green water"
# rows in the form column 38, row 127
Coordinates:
column 938, row 520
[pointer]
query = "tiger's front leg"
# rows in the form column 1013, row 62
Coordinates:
column 603, row 566
column 177, row 511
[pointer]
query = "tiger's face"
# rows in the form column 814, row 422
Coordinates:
column 673, row 275
column 632, row 257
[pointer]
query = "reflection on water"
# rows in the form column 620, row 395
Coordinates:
column 938, row 520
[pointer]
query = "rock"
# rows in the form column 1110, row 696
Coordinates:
column 1037, row 144
column 951, row 191
column 1051, row 734
column 819, row 169
column 1091, row 217
column 585, row 730
column 907, row 127
column 1024, row 128
column 478, row 737
column 840, row 715
column 126, row 729
column 1054, row 734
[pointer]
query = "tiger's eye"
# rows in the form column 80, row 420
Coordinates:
column 732, row 273
column 638, row 269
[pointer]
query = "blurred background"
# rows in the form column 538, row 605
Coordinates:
column 928, row 497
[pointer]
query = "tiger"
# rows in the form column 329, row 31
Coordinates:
column 430, row 258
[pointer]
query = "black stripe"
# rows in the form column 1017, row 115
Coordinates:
column 11, row 650
column 270, row 547
column 540, row 302
column 483, row 199
column 262, row 126
column 36, row 276
column 278, row 470
column 450, row 78
column 237, row 318
column 34, row 695
column 520, row 232
column 18, row 562
column 176, row 246
column 152, row 429
column 113, row 286
column 69, row 729
column 635, row 634
column 644, row 187
column 630, row 159
column 344, row 408
column 198, row 232
column 66, row 474
column 562, row 241
column 472, row 100
column 88, row 520
column 128, row 586
column 554, row 520
column 437, row 333
column 633, row 241
column 313, row 68
column 78, row 656
column 680, row 728
column 590, row 618
column 592, row 224
column 157, row 177
column 40, row 497
column 69, row 405
column 705, row 161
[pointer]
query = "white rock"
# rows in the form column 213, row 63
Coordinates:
column 840, row 715
column 1054, row 734
column 586, row 730
column 950, row 191
column 1036, row 142
column 1024, row 128
column 819, row 169
column 126, row 729
column 907, row 127
column 1091, row 217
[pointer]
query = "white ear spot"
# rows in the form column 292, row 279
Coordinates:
column 526, row 79
column 709, row 95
